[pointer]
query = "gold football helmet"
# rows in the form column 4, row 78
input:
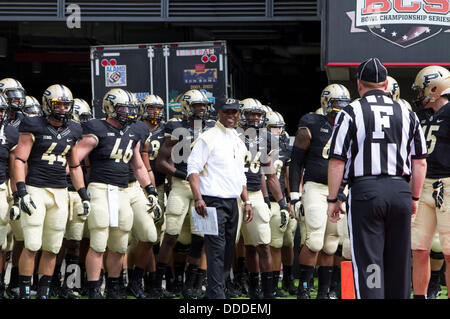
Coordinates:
column 430, row 84
column 120, row 105
column 333, row 98
column 13, row 92
column 251, row 106
column 81, row 111
column 393, row 89
column 152, row 109
column 192, row 98
column 32, row 107
column 275, row 120
column 57, row 102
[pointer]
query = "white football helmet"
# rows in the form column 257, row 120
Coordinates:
column 251, row 106
column 275, row 119
column 152, row 109
column 32, row 107
column 81, row 111
column 120, row 105
column 191, row 98
column 57, row 102
column 13, row 92
column 430, row 84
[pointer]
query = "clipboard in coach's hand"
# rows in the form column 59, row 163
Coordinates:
column 206, row 225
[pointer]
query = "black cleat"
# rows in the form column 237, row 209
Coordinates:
column 95, row 293
column 156, row 293
column 135, row 289
column 278, row 293
column 67, row 293
column 242, row 281
column 167, row 294
column 13, row 292
column 303, row 294
column 289, row 286
column 189, row 293
column 231, row 291
column 434, row 290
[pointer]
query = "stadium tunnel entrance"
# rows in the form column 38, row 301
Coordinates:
column 277, row 63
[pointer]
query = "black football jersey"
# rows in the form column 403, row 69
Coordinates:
column 109, row 160
column 143, row 132
column 48, row 157
column 436, row 129
column 15, row 124
column 316, row 162
column 280, row 164
column 156, row 139
column 258, row 150
column 9, row 137
column 186, row 136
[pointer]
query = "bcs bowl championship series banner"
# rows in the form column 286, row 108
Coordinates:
column 399, row 32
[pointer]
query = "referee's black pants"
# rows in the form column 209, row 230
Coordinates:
column 379, row 220
column 220, row 249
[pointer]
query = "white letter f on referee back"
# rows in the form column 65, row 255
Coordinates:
column 381, row 121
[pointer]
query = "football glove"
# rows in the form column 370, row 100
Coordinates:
column 284, row 211
column 14, row 211
column 438, row 193
column 25, row 202
column 297, row 207
column 152, row 196
column 267, row 201
column 157, row 213
column 86, row 204
column 341, row 196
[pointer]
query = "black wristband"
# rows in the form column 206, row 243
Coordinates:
column 150, row 189
column 180, row 174
column 334, row 200
column 282, row 203
column 198, row 199
column 83, row 194
column 415, row 198
column 21, row 189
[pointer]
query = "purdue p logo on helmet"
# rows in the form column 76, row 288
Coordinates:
column 81, row 111
column 57, row 102
column 120, row 105
column 430, row 84
column 333, row 98
column 189, row 99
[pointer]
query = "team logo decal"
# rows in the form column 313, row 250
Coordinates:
column 401, row 22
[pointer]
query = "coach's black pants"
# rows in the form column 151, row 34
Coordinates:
column 379, row 220
column 220, row 249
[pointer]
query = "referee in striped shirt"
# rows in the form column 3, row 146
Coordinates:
column 378, row 146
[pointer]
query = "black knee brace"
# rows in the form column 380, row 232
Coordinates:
column 196, row 246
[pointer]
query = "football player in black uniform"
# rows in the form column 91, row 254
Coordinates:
column 46, row 145
column 256, row 233
column 15, row 95
column 432, row 88
column 279, row 238
column 153, row 115
column 70, row 249
column 113, row 146
column 179, row 139
column 311, row 152
column 8, row 142
column 144, row 230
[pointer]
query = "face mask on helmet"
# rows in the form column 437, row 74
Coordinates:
column 61, row 110
column 335, row 105
column 200, row 111
column 84, row 117
column 15, row 98
column 420, row 100
column 253, row 118
column 154, row 113
column 32, row 110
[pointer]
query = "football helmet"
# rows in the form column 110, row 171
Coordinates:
column 152, row 109
column 266, row 108
column 251, row 106
column 13, row 92
column 120, row 105
column 189, row 99
column 275, row 119
column 32, row 107
column 333, row 98
column 430, row 84
column 81, row 111
column 393, row 89
column 57, row 102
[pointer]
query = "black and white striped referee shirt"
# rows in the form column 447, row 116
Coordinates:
column 377, row 136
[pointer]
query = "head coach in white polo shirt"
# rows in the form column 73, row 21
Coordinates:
column 217, row 178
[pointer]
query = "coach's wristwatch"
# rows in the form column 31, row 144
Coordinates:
column 248, row 203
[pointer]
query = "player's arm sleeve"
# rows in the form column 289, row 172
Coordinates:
column 341, row 138
column 418, row 143
column 89, row 129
